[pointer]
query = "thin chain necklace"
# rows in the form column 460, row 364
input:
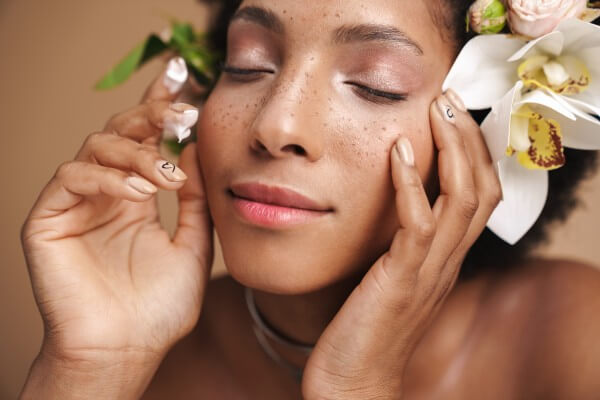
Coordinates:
column 262, row 330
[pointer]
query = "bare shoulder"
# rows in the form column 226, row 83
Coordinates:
column 551, row 308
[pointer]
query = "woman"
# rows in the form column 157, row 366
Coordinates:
column 346, row 191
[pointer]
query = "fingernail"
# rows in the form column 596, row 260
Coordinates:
column 141, row 185
column 170, row 171
column 176, row 75
column 178, row 124
column 446, row 109
column 455, row 100
column 405, row 151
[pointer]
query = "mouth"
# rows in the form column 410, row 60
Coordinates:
column 272, row 206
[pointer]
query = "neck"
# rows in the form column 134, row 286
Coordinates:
column 303, row 317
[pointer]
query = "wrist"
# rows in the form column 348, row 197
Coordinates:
column 104, row 375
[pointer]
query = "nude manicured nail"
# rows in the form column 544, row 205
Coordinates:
column 455, row 100
column 176, row 75
column 405, row 151
column 170, row 171
column 446, row 109
column 141, row 185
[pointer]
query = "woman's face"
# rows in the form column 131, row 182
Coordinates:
column 312, row 99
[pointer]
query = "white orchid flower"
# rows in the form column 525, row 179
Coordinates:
column 549, row 89
column 525, row 135
column 565, row 62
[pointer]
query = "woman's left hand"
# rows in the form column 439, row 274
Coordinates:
column 363, row 352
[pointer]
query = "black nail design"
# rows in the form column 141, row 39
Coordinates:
column 168, row 165
column 449, row 112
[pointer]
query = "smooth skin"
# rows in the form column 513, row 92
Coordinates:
column 114, row 290
column 118, row 296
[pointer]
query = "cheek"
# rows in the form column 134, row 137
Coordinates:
column 365, row 144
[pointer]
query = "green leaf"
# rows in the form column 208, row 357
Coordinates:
column 174, row 146
column 143, row 52
column 182, row 34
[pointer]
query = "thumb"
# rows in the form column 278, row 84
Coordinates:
column 194, row 224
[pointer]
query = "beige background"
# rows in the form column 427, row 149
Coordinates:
column 52, row 54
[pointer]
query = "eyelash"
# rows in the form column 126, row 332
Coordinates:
column 370, row 94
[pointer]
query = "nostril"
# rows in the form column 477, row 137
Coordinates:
column 296, row 149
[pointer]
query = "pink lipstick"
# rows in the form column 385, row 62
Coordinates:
column 272, row 206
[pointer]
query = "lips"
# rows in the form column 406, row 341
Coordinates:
column 277, row 196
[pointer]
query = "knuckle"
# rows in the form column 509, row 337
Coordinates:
column 413, row 181
column 494, row 194
column 112, row 121
column 145, row 153
column 469, row 205
column 94, row 140
column 425, row 230
column 65, row 170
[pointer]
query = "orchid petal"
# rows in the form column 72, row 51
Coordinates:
column 524, row 196
column 591, row 58
column 519, row 132
column 547, row 100
column 546, row 149
column 551, row 43
column 584, row 134
column 580, row 130
column 483, row 57
column 579, row 35
column 581, row 106
column 496, row 126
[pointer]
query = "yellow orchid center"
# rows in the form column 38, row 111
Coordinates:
column 537, row 141
column 563, row 74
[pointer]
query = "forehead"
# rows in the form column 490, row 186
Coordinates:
column 312, row 21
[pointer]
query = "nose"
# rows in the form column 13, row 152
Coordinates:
column 285, row 125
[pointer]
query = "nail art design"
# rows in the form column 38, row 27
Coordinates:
column 446, row 110
column 170, row 171
column 176, row 75
column 168, row 166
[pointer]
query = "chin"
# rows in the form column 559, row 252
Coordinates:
column 274, row 266
column 284, row 264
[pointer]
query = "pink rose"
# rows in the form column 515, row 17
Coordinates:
column 535, row 18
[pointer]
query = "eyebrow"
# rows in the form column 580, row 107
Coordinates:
column 375, row 33
column 342, row 35
column 266, row 18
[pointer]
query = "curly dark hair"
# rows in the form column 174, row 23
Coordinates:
column 489, row 252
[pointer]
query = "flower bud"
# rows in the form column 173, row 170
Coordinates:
column 487, row 16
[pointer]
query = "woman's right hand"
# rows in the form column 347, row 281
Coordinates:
column 109, row 281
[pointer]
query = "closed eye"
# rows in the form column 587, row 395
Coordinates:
column 377, row 96
column 243, row 74
column 367, row 93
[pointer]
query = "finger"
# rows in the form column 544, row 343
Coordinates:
column 417, row 224
column 149, row 122
column 484, row 174
column 128, row 155
column 393, row 275
column 458, row 202
column 194, row 225
column 170, row 82
column 77, row 179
